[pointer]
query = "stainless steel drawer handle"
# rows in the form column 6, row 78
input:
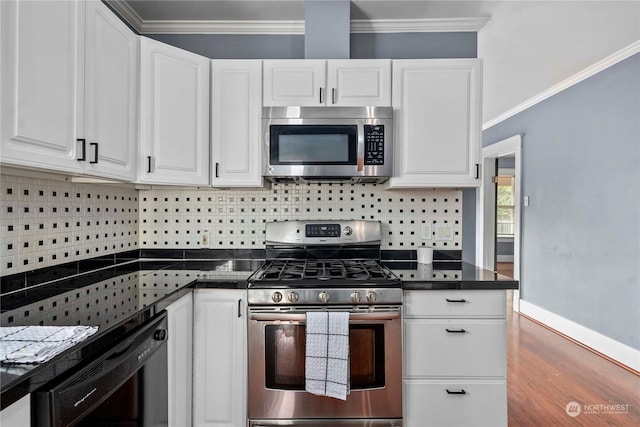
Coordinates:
column 461, row 391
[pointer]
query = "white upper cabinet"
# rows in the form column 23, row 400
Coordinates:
column 294, row 82
column 41, row 72
column 359, row 82
column 69, row 89
column 317, row 82
column 111, row 95
column 174, row 115
column 236, row 99
column 437, row 112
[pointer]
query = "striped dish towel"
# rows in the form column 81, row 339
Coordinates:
column 327, row 354
column 37, row 344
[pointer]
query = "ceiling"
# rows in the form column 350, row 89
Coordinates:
column 529, row 47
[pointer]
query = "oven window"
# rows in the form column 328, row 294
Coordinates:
column 285, row 356
column 308, row 145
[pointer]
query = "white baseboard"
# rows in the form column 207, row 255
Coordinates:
column 615, row 350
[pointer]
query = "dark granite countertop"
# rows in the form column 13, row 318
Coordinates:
column 448, row 275
column 117, row 299
column 120, row 298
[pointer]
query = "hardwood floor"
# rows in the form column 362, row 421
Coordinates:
column 546, row 372
column 505, row 268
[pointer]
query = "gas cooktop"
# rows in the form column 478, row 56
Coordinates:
column 324, row 270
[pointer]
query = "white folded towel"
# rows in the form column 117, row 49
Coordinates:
column 327, row 354
column 37, row 344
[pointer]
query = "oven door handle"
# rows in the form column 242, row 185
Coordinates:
column 301, row 317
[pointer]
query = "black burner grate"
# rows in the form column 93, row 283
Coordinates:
column 356, row 270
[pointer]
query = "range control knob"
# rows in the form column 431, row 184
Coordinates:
column 371, row 296
column 356, row 296
column 347, row 231
column 276, row 297
column 293, row 297
column 323, row 297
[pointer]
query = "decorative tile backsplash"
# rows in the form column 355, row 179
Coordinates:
column 177, row 218
column 46, row 222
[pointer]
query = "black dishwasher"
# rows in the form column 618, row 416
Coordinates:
column 126, row 386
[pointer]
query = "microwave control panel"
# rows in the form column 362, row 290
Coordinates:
column 374, row 144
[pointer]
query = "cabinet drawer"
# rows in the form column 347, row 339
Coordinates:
column 455, row 348
column 427, row 403
column 476, row 303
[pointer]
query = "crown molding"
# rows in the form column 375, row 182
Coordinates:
column 222, row 27
column 292, row 27
column 452, row 25
column 126, row 13
column 594, row 69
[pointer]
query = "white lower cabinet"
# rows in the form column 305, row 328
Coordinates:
column 18, row 414
column 180, row 360
column 455, row 403
column 220, row 358
column 455, row 365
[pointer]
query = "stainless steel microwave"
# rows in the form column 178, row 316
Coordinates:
column 328, row 144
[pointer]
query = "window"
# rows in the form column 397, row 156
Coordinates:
column 505, row 208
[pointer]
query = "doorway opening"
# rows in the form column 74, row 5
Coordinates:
column 498, row 215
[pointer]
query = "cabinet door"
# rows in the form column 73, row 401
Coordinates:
column 175, row 115
column 299, row 82
column 455, row 304
column 41, row 72
column 17, row 414
column 180, row 356
column 461, row 403
column 111, row 94
column 437, row 122
column 236, row 90
column 220, row 358
column 356, row 82
column 455, row 348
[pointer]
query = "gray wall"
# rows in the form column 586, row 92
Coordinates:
column 365, row 45
column 581, row 232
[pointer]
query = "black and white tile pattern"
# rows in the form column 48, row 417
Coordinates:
column 47, row 222
column 176, row 218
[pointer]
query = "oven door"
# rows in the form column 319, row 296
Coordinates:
column 277, row 366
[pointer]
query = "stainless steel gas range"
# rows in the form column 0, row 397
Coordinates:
column 326, row 266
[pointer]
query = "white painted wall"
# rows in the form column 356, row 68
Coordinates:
column 530, row 46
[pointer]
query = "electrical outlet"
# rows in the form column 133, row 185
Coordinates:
column 204, row 239
column 425, row 232
column 444, row 232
